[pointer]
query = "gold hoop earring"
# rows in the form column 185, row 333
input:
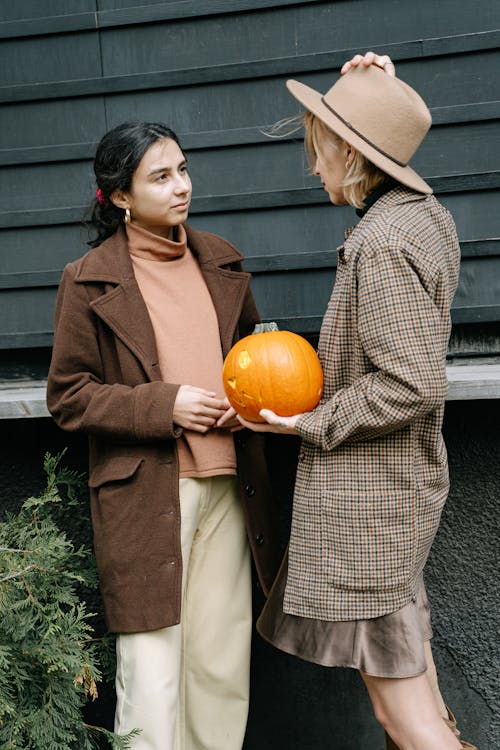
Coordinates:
column 127, row 219
column 347, row 164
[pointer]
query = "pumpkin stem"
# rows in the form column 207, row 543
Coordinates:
column 265, row 327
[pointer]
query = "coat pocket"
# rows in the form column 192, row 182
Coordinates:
column 117, row 502
column 114, row 469
column 368, row 540
column 118, row 515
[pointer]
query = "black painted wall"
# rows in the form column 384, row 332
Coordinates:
column 215, row 71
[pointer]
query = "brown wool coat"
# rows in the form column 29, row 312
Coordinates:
column 104, row 380
column 372, row 476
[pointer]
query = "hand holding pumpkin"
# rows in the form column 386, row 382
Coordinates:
column 276, row 371
column 273, row 423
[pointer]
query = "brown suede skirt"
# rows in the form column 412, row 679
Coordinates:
column 387, row 646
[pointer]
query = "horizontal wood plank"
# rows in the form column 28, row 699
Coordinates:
column 458, row 114
column 473, row 381
column 133, row 16
column 23, row 400
column 417, row 49
column 247, row 201
column 303, row 324
column 255, row 264
column 475, row 314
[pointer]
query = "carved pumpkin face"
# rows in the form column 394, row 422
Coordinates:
column 277, row 370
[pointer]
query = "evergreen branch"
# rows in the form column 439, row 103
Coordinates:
column 31, row 597
column 18, row 574
column 14, row 550
column 118, row 742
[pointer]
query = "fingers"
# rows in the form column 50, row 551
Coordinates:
column 194, row 389
column 200, row 398
column 370, row 58
column 284, row 425
column 273, row 423
column 384, row 62
column 271, row 417
column 352, row 63
column 197, row 409
column 228, row 419
column 255, row 426
column 200, row 420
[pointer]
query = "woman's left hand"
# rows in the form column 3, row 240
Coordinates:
column 273, row 423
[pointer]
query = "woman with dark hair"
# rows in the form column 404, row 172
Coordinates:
column 143, row 321
column 372, row 475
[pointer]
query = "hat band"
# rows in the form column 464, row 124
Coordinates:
column 364, row 138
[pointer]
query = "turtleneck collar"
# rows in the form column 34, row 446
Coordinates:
column 373, row 197
column 144, row 244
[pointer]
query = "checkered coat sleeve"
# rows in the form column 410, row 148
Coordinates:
column 372, row 475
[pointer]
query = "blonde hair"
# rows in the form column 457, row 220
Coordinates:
column 362, row 176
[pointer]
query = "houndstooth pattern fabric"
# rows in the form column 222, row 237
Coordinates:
column 372, row 475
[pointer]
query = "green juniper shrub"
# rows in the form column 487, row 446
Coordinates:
column 50, row 661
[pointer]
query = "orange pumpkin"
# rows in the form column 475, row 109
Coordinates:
column 277, row 370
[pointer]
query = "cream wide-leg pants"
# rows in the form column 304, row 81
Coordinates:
column 187, row 686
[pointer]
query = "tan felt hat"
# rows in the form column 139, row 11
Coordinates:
column 381, row 116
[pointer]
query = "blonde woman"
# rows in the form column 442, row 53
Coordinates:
column 372, row 476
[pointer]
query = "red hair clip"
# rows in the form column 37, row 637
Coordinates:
column 100, row 197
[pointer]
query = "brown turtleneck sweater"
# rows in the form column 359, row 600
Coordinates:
column 187, row 338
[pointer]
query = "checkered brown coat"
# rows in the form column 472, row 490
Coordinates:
column 373, row 475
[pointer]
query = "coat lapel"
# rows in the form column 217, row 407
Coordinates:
column 122, row 308
column 227, row 289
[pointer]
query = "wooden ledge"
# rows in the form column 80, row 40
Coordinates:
column 473, row 381
column 23, row 399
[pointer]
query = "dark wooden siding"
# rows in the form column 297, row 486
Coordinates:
column 214, row 70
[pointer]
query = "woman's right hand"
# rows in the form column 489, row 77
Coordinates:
column 197, row 409
column 370, row 58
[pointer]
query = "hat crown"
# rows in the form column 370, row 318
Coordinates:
column 384, row 111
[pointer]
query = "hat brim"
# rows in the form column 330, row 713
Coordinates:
column 311, row 100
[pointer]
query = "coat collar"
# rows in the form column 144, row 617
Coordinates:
column 110, row 261
column 398, row 196
column 122, row 307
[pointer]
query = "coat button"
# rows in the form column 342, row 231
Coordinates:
column 301, row 456
column 259, row 540
column 249, row 490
